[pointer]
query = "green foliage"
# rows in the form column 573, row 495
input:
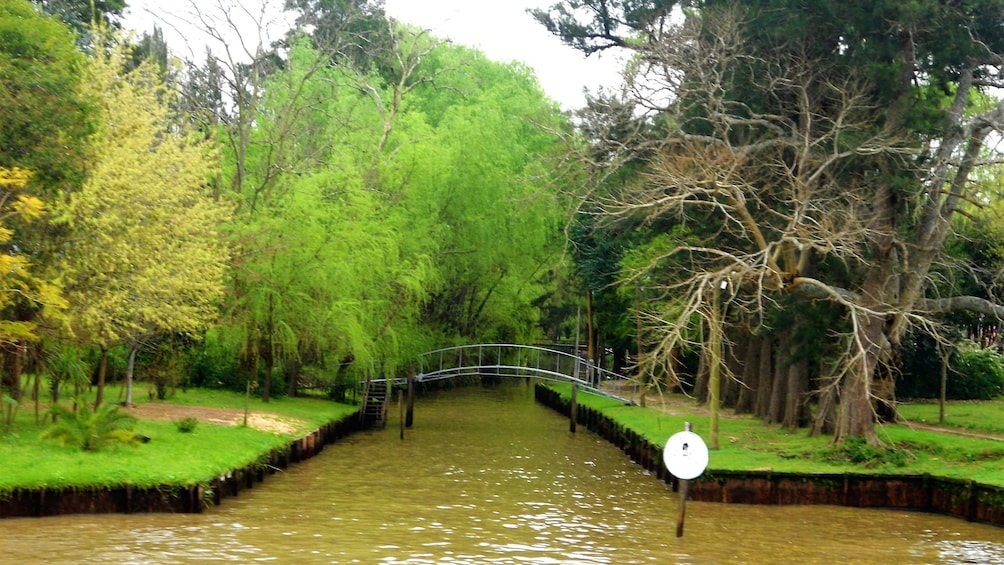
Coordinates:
column 170, row 458
column 91, row 429
column 44, row 117
column 186, row 425
column 418, row 214
column 160, row 263
column 858, row 452
column 80, row 14
column 976, row 374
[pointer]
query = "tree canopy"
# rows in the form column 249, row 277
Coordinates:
column 809, row 152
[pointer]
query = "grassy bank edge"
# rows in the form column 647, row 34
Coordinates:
column 171, row 458
column 746, row 444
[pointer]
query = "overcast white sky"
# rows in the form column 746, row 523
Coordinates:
column 500, row 28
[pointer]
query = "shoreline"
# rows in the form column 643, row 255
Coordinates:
column 127, row 499
column 960, row 498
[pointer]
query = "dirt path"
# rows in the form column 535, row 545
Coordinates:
column 952, row 431
column 227, row 416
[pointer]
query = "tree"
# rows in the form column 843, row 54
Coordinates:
column 828, row 149
column 44, row 122
column 496, row 224
column 80, row 15
column 145, row 255
column 21, row 290
column 44, row 118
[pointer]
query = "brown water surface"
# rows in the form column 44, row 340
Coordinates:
column 486, row 476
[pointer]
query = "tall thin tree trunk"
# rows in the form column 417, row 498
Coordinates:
column 824, row 421
column 775, row 410
column 797, row 386
column 750, row 378
column 590, row 331
column 764, row 374
column 130, row 368
column 102, row 372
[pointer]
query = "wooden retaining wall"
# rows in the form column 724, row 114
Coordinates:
column 167, row 498
column 955, row 497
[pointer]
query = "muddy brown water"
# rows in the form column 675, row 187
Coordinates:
column 487, row 476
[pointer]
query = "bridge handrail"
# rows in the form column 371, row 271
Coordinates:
column 583, row 371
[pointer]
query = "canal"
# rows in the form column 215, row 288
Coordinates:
column 488, row 476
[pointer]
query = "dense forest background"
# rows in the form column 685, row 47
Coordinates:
column 788, row 209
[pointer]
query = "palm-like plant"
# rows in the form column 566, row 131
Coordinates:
column 89, row 428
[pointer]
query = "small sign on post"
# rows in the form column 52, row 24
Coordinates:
column 686, row 457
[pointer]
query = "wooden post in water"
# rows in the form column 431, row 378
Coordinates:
column 410, row 416
column 684, row 487
column 400, row 412
column 573, row 408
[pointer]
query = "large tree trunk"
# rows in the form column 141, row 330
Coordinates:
column 856, row 417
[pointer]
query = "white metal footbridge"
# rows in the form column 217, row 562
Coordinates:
column 520, row 361
column 497, row 360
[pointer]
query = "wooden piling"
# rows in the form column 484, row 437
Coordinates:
column 400, row 412
column 573, row 408
column 410, row 416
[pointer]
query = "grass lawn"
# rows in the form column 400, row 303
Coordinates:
column 746, row 444
column 975, row 416
column 170, row 458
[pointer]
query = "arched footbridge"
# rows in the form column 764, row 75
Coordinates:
column 505, row 360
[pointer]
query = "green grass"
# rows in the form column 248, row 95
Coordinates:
column 975, row 416
column 170, row 458
column 745, row 445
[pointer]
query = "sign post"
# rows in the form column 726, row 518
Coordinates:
column 686, row 457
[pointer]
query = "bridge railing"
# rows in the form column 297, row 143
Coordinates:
column 510, row 360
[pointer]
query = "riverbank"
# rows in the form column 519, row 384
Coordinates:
column 761, row 465
column 174, row 471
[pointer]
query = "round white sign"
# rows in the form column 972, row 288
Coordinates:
column 685, row 455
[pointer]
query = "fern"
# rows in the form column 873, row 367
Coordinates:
column 91, row 429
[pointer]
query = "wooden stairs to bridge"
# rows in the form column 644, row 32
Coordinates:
column 375, row 400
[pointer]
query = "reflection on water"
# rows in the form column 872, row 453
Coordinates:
column 487, row 476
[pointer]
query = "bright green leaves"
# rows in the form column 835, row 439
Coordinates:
column 144, row 255
column 411, row 208
column 20, row 287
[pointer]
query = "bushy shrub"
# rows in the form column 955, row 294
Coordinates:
column 186, row 425
column 976, row 374
column 857, row 450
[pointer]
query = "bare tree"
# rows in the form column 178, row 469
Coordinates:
column 779, row 159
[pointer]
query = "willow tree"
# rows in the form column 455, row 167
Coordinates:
column 495, row 222
column 830, row 144
column 144, row 256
